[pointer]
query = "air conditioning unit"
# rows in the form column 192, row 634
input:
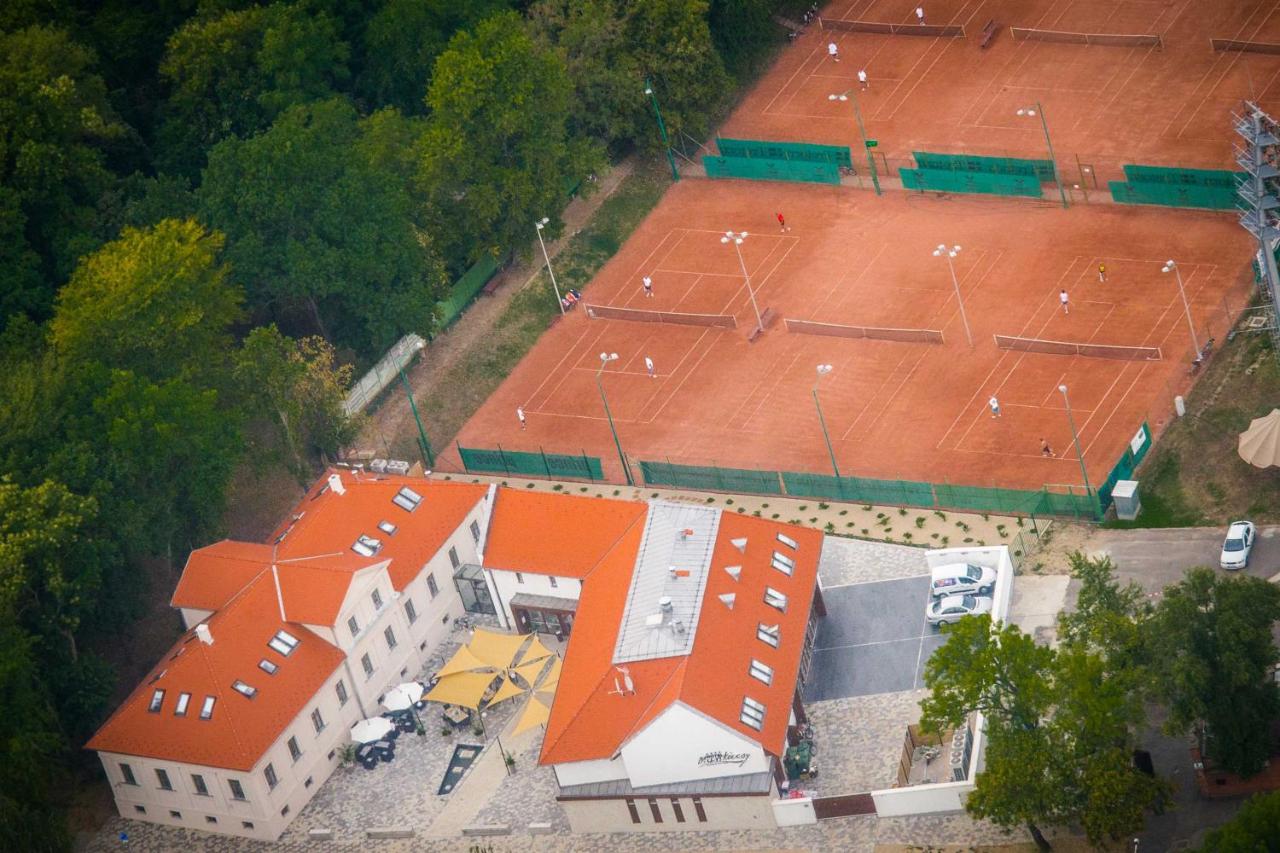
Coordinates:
column 378, row 466
column 397, row 466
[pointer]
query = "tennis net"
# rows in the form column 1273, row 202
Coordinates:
column 679, row 318
column 1126, row 353
column 1220, row 45
column 930, row 30
column 812, row 327
column 1101, row 39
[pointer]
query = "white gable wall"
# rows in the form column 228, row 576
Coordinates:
column 586, row 772
column 682, row 745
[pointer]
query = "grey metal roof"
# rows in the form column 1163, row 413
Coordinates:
column 673, row 562
column 544, row 602
column 746, row 783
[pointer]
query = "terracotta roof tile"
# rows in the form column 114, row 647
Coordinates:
column 554, row 534
column 215, row 573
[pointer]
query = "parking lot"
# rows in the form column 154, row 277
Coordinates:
column 873, row 640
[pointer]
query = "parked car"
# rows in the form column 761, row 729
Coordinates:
column 1239, row 544
column 962, row 579
column 953, row 608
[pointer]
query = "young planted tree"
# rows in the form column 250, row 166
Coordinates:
column 1212, row 656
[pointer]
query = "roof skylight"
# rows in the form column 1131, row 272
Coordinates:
column 407, row 499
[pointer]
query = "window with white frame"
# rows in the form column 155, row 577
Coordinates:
column 390, row 637
column 761, row 671
column 788, row 541
column 783, row 563
column 317, row 720
column 283, row 642
column 353, row 625
column 367, row 664
column 775, row 599
column 475, row 531
column 752, row 713
column 377, row 600
column 768, row 634
column 431, row 585
column 341, row 689
column 410, row 612
column 453, row 558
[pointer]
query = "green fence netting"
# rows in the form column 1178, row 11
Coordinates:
column 858, row 489
column 805, row 152
column 935, row 180
column 1138, row 174
column 540, row 464
column 771, row 170
column 1123, row 470
column 1174, row 195
column 1041, row 169
column 465, row 289
column 711, row 477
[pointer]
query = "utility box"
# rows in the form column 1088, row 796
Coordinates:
column 1125, row 497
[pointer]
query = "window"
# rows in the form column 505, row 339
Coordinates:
column 387, row 528
column 284, row 811
column 210, row 819
column 267, row 666
column 391, row 637
column 140, row 809
column 783, row 563
column 308, row 783
column 197, row 781
column 788, row 541
column 761, row 672
column 180, row 710
column 697, row 808
column 175, row 814
column 368, row 666
column 475, row 531
column 157, row 699
column 519, row 578
column 237, row 790
column 410, row 612
column 206, row 710
column 283, row 642
column 554, row 584
column 162, row 776
column 247, row 824
column 631, row 807
column 354, row 626
column 431, row 585
column 341, row 689
column 767, row 633
column 317, row 721
column 453, row 558
column 655, row 811
column 295, row 751
column 679, row 812
column 407, row 499
column 775, row 599
column 269, row 772
column 377, row 600
column 752, row 713
column 127, row 772
column 243, row 689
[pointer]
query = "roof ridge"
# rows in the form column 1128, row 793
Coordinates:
column 220, row 699
column 642, row 517
column 187, row 565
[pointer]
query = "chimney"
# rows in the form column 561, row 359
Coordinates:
column 335, row 483
column 205, row 635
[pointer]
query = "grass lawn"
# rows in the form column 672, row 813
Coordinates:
column 1193, row 476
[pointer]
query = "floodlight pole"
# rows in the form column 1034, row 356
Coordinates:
column 852, row 97
column 949, row 253
column 424, row 446
column 1075, row 437
column 662, row 128
column 1186, row 306
column 1057, row 179
column 539, row 226
column 736, row 240
column 823, row 370
column 605, row 358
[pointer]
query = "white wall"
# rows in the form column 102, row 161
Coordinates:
column 797, row 812
column 507, row 583
column 192, row 617
column 922, row 799
column 681, row 745
column 723, row 813
column 586, row 772
column 387, row 662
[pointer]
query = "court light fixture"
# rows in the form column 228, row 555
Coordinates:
column 540, row 224
column 1171, row 266
column 862, row 132
column 823, row 370
column 1053, row 163
column 736, row 239
column 605, row 358
column 943, row 252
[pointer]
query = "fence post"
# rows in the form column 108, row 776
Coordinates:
column 545, row 465
column 502, row 454
column 461, row 457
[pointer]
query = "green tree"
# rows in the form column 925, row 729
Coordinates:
column 55, row 122
column 1212, row 656
column 496, row 152
column 1108, row 616
column 743, row 32
column 1058, row 731
column 299, row 384
column 321, row 228
column 1254, row 829
column 232, row 73
column 157, row 302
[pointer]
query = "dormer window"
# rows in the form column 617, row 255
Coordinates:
column 407, row 499
column 180, row 710
column 775, row 599
column 157, row 699
column 367, row 546
column 244, row 689
column 387, row 528
column 283, row 642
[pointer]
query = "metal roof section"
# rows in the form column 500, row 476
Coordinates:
column 746, row 783
column 667, row 585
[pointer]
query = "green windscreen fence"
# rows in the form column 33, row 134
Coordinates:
column 801, row 152
column 1041, row 169
column 935, row 180
column 1129, row 460
column 465, row 289
column 771, row 170
column 499, row 461
column 1171, row 186
column 858, row 489
column 710, row 477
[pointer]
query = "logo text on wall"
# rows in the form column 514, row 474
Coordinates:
column 715, row 759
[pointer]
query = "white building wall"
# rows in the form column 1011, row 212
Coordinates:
column 388, row 663
column 586, row 772
column 261, row 807
column 504, row 584
column 192, row 617
column 682, row 745
column 722, row 813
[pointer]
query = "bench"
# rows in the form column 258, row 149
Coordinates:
column 491, row 287
column 989, row 32
column 389, row 832
column 766, row 320
column 486, row 829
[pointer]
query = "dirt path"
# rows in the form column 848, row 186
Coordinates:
column 393, row 419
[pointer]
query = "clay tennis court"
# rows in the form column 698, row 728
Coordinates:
column 910, row 410
column 1105, row 105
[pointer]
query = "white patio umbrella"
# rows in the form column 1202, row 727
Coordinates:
column 397, row 700
column 412, row 689
column 372, row 729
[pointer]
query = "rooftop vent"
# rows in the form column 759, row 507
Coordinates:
column 335, row 483
column 205, row 635
column 735, row 572
column 727, row 599
column 740, row 543
column 664, row 604
column 679, row 573
column 622, row 683
column 367, row 546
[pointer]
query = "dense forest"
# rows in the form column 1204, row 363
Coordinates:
column 210, row 210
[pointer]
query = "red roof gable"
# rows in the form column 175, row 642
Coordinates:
column 554, row 534
column 215, row 573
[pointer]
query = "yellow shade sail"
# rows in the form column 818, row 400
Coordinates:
column 462, row 688
column 530, row 671
column 552, row 678
column 462, row 661
column 508, row 690
column 1260, row 443
column 535, row 714
column 536, row 651
column 496, row 650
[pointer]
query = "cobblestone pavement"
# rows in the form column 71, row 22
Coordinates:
column 859, row 740
column 849, row 561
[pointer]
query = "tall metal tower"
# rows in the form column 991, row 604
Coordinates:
column 1259, row 156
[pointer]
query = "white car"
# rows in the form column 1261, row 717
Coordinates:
column 953, row 608
column 1239, row 544
column 961, row 579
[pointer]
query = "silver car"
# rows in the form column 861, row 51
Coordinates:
column 953, row 608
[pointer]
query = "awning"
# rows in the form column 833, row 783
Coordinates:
column 535, row 714
column 462, row 688
column 1260, row 443
column 544, row 602
column 496, row 650
column 463, row 660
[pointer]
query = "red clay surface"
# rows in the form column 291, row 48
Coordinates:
column 907, row 410
column 1105, row 106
